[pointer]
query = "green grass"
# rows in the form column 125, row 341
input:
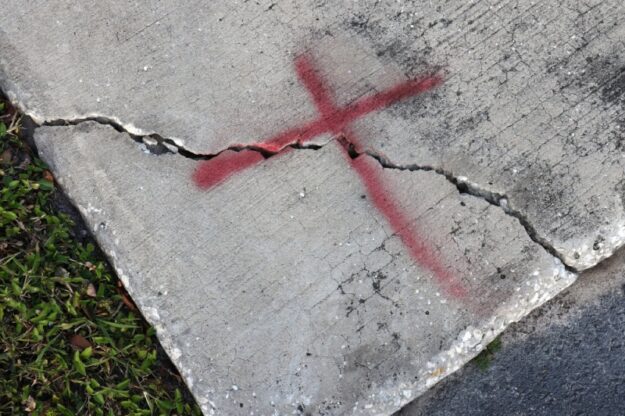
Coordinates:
column 71, row 342
column 483, row 359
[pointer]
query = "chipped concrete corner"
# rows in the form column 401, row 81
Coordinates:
column 326, row 208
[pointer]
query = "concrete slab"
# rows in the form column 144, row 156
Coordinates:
column 530, row 112
column 289, row 288
column 258, row 263
column 564, row 358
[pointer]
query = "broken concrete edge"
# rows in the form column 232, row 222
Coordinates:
column 150, row 314
column 469, row 343
column 157, row 144
column 535, row 291
column 537, row 288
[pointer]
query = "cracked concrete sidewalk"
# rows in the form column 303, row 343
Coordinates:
column 331, row 275
column 260, row 304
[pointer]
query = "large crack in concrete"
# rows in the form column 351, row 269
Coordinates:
column 157, row 144
column 465, row 186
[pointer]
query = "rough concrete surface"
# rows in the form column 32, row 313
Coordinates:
column 563, row 359
column 456, row 153
column 284, row 288
column 531, row 108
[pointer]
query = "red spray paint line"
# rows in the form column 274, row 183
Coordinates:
column 369, row 173
column 216, row 170
column 336, row 120
column 213, row 171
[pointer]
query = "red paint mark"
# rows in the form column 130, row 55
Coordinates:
column 332, row 120
column 369, row 172
column 336, row 120
column 217, row 169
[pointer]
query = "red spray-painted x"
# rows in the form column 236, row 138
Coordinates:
column 336, row 121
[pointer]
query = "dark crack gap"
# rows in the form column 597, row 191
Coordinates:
column 157, row 144
column 466, row 187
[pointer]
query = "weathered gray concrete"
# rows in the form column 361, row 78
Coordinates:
column 284, row 288
column 565, row 358
column 246, row 280
column 530, row 110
